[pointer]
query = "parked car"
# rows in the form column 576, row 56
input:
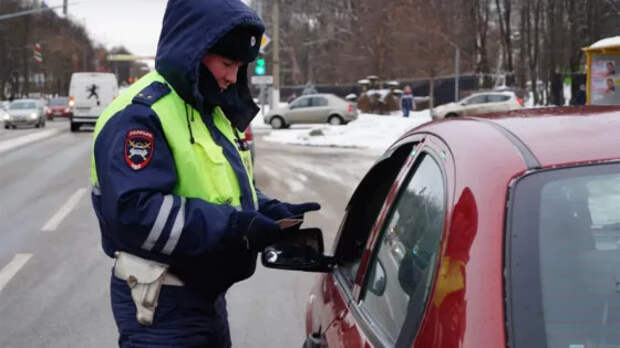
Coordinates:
column 58, row 107
column 25, row 112
column 446, row 243
column 313, row 108
column 478, row 104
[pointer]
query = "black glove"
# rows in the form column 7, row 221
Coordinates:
column 254, row 230
column 281, row 210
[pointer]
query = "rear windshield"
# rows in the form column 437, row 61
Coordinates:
column 59, row 102
column 23, row 105
column 564, row 259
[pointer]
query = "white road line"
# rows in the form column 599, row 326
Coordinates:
column 9, row 144
column 62, row 213
column 10, row 270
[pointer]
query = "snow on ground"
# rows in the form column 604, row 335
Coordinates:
column 369, row 131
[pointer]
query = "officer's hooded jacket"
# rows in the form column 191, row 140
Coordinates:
column 168, row 173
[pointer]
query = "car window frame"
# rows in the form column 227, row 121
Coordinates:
column 314, row 99
column 298, row 101
column 484, row 96
column 360, row 312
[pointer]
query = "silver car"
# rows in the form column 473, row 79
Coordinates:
column 313, row 108
column 25, row 112
column 478, row 104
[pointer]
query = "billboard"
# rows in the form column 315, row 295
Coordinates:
column 605, row 80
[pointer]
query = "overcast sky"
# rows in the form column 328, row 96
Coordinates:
column 134, row 24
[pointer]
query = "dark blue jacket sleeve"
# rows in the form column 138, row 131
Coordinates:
column 136, row 207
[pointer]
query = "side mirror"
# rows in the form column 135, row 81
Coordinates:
column 302, row 251
column 377, row 280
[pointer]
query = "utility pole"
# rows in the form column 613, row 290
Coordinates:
column 457, row 72
column 275, row 102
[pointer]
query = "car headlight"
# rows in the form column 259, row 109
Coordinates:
column 33, row 116
column 6, row 117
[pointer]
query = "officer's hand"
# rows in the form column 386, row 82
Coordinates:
column 255, row 231
column 282, row 210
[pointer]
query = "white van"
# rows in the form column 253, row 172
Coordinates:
column 89, row 94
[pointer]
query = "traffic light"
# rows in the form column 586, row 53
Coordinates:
column 260, row 69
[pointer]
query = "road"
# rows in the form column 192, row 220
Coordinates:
column 54, row 288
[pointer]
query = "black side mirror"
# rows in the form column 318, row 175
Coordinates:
column 377, row 280
column 302, row 251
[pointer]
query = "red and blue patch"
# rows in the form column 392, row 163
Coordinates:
column 139, row 148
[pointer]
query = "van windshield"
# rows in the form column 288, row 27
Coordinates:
column 564, row 247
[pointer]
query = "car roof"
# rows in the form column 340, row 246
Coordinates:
column 547, row 136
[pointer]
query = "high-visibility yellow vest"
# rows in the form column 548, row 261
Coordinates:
column 202, row 169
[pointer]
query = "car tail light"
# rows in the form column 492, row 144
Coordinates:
column 248, row 134
column 49, row 111
column 71, row 101
column 520, row 101
column 350, row 108
column 67, row 110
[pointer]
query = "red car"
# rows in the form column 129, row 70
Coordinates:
column 58, row 107
column 496, row 231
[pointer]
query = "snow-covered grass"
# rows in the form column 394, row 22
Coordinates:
column 369, row 131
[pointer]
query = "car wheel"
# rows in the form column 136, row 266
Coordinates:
column 452, row 114
column 277, row 122
column 75, row 127
column 335, row 120
column 6, row 126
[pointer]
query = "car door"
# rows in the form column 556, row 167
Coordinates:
column 392, row 280
column 320, row 110
column 334, row 324
column 498, row 103
column 299, row 109
column 475, row 105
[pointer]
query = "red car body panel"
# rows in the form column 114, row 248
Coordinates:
column 466, row 304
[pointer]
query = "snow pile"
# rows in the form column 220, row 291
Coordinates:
column 369, row 131
column 607, row 42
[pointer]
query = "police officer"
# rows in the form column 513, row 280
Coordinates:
column 173, row 187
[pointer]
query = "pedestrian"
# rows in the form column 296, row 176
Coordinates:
column 580, row 95
column 173, row 185
column 406, row 101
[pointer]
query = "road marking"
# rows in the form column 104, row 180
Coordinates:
column 10, row 270
column 62, row 213
column 9, row 144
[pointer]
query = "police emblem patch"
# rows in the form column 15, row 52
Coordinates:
column 138, row 148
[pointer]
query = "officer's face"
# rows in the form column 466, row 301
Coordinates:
column 223, row 69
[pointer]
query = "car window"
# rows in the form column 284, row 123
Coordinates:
column 59, row 102
column 565, row 265
column 495, row 98
column 301, row 103
column 363, row 210
column 478, row 99
column 23, row 106
column 319, row 101
column 400, row 275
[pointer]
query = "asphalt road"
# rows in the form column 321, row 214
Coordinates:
column 54, row 278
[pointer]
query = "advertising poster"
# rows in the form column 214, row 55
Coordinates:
column 605, row 84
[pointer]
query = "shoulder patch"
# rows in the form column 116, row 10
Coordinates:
column 151, row 93
column 139, row 147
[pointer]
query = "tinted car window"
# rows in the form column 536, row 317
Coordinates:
column 495, row 98
column 479, row 99
column 319, row 101
column 401, row 272
column 363, row 210
column 301, row 103
column 566, row 258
